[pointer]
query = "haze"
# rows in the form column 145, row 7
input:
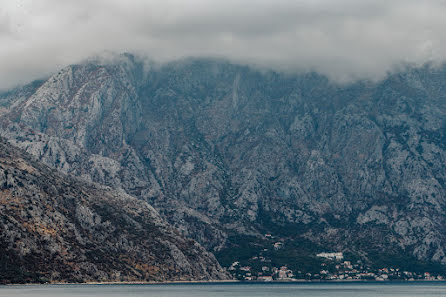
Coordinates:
column 343, row 39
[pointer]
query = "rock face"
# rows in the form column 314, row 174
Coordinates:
column 57, row 229
column 222, row 150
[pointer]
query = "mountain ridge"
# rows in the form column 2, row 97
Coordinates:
column 223, row 150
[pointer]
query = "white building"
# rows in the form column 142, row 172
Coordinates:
column 332, row 256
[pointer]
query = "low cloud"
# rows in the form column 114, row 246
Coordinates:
column 343, row 39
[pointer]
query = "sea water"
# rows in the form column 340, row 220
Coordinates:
column 419, row 289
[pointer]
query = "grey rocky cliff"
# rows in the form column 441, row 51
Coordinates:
column 221, row 149
column 56, row 229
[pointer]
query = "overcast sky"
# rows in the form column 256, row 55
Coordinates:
column 340, row 38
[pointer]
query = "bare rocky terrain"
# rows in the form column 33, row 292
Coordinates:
column 227, row 153
column 57, row 229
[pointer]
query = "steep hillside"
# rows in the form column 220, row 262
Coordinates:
column 56, row 229
column 227, row 153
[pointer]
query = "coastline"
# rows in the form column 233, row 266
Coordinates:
column 209, row 282
column 129, row 283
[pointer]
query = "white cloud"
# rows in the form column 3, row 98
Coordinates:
column 343, row 39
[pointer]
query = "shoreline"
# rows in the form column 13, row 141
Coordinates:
column 128, row 283
column 197, row 282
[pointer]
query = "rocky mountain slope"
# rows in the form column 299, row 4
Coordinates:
column 227, row 153
column 57, row 229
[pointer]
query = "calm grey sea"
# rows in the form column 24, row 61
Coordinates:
column 233, row 290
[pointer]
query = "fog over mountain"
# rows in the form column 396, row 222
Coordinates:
column 259, row 134
column 343, row 39
column 227, row 154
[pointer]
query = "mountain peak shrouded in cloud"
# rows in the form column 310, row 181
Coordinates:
column 343, row 39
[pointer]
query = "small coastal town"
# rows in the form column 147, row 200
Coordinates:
column 334, row 267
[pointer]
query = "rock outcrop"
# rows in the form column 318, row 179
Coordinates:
column 222, row 150
column 54, row 228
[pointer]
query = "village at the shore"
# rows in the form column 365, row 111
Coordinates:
column 340, row 270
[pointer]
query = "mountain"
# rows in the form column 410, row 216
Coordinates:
column 57, row 229
column 227, row 153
